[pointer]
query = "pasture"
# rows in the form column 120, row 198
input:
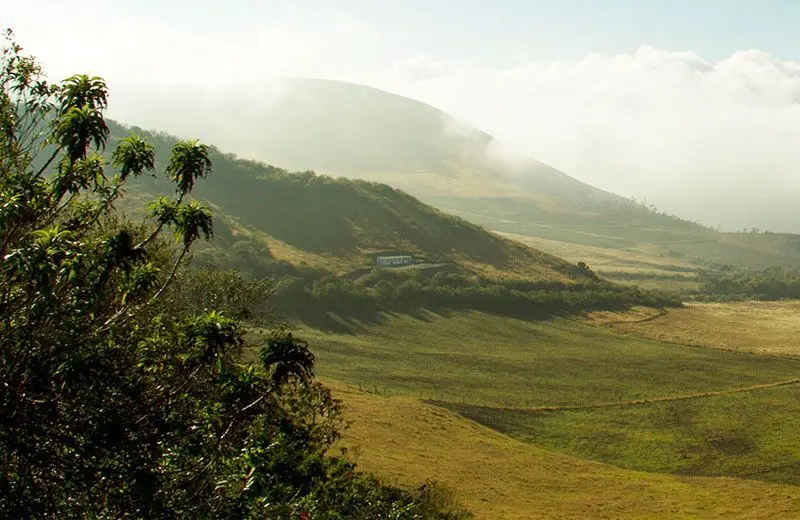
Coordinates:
column 407, row 441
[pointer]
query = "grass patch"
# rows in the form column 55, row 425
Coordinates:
column 492, row 360
column 760, row 327
column 405, row 441
column 749, row 435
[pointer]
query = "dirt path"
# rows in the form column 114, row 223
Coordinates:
column 638, row 402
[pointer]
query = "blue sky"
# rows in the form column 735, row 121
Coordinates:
column 522, row 30
column 479, row 32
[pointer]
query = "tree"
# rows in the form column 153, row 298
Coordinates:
column 119, row 396
column 287, row 357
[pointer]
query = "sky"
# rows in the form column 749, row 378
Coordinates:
column 692, row 105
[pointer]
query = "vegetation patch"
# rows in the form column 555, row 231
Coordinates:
column 741, row 434
column 493, row 360
column 405, row 440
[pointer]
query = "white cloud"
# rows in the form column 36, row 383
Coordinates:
column 715, row 141
column 418, row 68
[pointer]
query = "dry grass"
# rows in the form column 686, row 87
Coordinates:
column 759, row 327
column 643, row 258
column 407, row 441
column 649, row 266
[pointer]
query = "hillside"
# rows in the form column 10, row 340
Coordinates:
column 339, row 224
column 356, row 131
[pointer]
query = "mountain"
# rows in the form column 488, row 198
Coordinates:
column 344, row 129
column 356, row 131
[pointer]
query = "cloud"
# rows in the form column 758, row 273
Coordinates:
column 419, row 68
column 208, row 44
column 715, row 141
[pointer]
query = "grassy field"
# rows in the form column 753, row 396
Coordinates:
column 747, row 434
column 630, row 401
column 407, row 441
column 647, row 265
column 761, row 327
column 497, row 361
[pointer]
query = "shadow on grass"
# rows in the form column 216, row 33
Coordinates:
column 356, row 320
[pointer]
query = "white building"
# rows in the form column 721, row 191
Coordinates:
column 394, row 260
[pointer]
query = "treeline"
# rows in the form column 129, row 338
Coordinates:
column 399, row 290
column 774, row 283
column 303, row 290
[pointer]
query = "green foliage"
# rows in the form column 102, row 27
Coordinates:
column 411, row 289
column 769, row 284
column 287, row 358
column 121, row 395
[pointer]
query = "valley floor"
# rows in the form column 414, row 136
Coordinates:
column 407, row 441
column 615, row 416
column 758, row 327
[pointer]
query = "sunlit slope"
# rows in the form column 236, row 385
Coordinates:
column 747, row 432
column 583, row 390
column 405, row 440
column 759, row 327
column 338, row 223
column 499, row 361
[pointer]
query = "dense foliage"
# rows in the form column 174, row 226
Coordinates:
column 304, row 292
column 732, row 284
column 122, row 392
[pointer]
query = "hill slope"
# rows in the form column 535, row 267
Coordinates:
column 339, row 224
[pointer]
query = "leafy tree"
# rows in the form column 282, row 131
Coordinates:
column 120, row 396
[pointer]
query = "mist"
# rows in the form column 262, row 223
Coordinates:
column 713, row 142
column 718, row 142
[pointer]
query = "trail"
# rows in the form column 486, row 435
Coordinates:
column 638, row 402
column 684, row 397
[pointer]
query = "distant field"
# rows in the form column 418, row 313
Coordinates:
column 407, row 441
column 749, row 434
column 497, row 361
column 633, row 259
column 649, row 266
column 761, row 327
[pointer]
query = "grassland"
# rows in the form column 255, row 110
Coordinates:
column 406, row 441
column 745, row 434
column 648, row 265
column 498, row 361
column 760, row 327
column 584, row 390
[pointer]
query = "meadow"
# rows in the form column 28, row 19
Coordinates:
column 760, row 327
column 405, row 440
column 749, row 434
column 490, row 360
column 581, row 388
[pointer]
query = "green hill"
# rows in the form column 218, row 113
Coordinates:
column 340, row 224
column 318, row 238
